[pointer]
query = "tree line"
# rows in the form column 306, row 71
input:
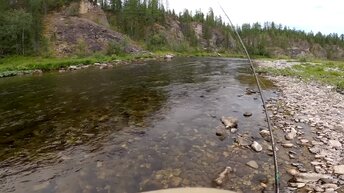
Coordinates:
column 21, row 26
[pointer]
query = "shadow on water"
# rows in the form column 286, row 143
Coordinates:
column 128, row 129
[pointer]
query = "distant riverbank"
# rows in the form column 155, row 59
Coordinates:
column 21, row 65
column 324, row 72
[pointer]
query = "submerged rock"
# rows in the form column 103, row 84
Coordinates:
column 247, row 114
column 234, row 130
column 287, row 145
column 307, row 177
column 256, row 146
column 229, row 122
column 252, row 164
column 222, row 176
column 250, row 91
column 220, row 130
column 291, row 135
column 243, row 141
column 265, row 134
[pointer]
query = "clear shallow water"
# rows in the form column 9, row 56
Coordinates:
column 132, row 128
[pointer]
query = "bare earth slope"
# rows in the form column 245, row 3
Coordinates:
column 86, row 33
column 73, row 34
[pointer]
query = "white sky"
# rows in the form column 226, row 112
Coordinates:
column 326, row 16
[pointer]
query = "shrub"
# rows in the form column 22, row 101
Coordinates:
column 156, row 42
column 115, row 48
column 81, row 48
column 73, row 9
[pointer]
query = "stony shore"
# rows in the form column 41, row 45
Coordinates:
column 308, row 119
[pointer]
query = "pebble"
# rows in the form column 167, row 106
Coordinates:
column 288, row 145
column 304, row 141
column 291, row 135
column 256, row 146
column 220, row 131
column 247, row 114
column 234, row 130
column 297, row 185
column 168, row 56
column 252, row 164
column 99, row 164
column 222, row 176
column 334, row 143
column 243, row 141
column 318, row 111
column 339, row 169
column 314, row 150
column 264, row 133
column 229, row 122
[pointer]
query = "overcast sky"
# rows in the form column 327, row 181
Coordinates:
column 326, row 16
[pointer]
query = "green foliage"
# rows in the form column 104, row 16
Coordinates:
column 13, row 64
column 81, row 48
column 181, row 47
column 156, row 42
column 73, row 9
column 115, row 48
column 15, row 32
column 21, row 28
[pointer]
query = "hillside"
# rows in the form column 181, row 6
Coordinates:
column 84, row 33
column 181, row 33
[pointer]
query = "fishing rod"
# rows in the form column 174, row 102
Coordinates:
column 262, row 98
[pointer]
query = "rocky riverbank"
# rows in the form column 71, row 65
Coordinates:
column 308, row 123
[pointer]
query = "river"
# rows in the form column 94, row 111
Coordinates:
column 131, row 128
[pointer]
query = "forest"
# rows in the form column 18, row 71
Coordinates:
column 21, row 26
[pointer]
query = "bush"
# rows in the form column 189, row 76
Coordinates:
column 115, row 48
column 180, row 47
column 156, row 42
column 73, row 9
column 81, row 48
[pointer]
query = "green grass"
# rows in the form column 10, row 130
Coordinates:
column 328, row 72
column 10, row 66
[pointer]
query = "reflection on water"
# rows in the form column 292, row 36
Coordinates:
column 128, row 129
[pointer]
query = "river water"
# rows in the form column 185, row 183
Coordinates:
column 131, row 128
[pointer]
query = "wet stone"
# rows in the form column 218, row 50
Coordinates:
column 252, row 164
column 229, row 122
column 243, row 141
column 234, row 130
column 291, row 135
column 247, row 114
column 256, row 146
column 265, row 134
column 287, row 145
column 220, row 130
column 222, row 176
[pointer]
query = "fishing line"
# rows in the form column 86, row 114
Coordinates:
column 263, row 101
